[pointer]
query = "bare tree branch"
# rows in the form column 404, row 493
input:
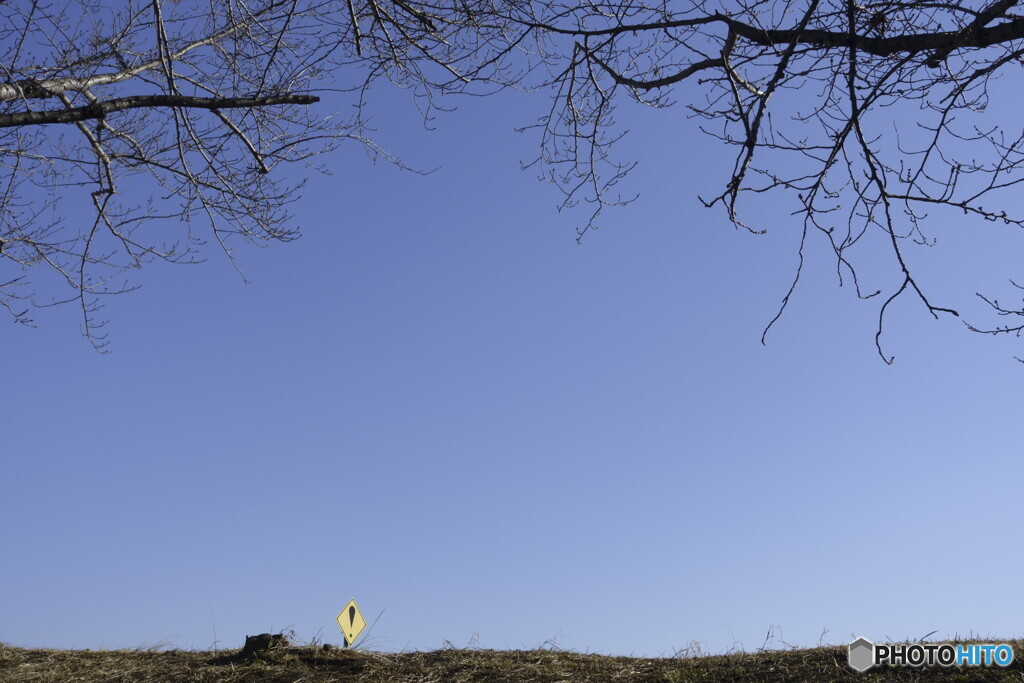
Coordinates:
column 867, row 120
column 100, row 110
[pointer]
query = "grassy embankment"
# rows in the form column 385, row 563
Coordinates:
column 318, row 665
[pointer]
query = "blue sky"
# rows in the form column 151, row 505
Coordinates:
column 438, row 403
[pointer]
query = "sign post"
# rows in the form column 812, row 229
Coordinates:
column 351, row 622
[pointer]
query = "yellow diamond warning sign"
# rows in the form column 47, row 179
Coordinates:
column 351, row 622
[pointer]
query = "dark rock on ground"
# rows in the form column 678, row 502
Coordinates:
column 264, row 642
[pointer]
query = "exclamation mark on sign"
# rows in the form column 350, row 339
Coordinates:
column 351, row 626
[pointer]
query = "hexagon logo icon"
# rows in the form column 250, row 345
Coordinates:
column 862, row 655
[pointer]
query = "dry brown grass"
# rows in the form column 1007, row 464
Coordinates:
column 316, row 665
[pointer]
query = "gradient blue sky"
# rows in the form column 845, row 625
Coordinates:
column 438, row 403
